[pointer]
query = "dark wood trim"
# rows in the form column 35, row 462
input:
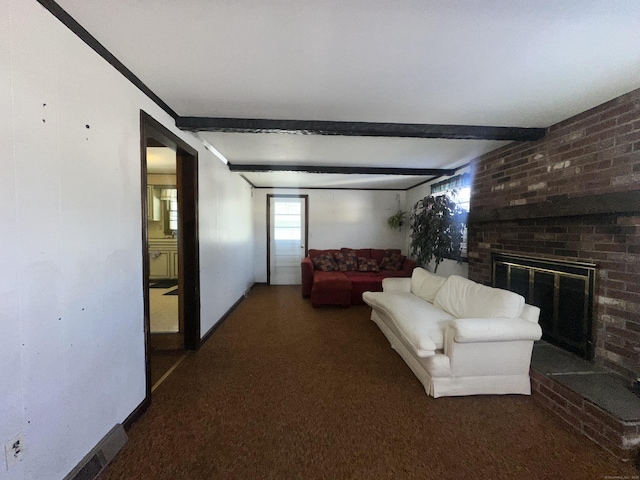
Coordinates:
column 306, row 227
column 433, row 178
column 335, row 188
column 426, row 181
column 359, row 129
column 145, row 257
column 606, row 203
column 166, row 137
column 457, row 169
column 188, row 234
column 188, row 241
column 269, row 238
column 137, row 413
column 340, row 170
column 68, row 21
column 188, row 247
column 223, row 318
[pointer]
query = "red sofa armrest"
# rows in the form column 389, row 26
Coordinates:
column 408, row 266
column 307, row 276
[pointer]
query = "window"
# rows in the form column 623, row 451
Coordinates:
column 459, row 189
column 287, row 220
column 169, row 197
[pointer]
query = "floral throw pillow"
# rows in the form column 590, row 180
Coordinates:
column 325, row 263
column 367, row 265
column 392, row 261
column 347, row 261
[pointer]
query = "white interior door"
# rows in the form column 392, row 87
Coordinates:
column 287, row 225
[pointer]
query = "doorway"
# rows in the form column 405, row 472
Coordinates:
column 287, row 238
column 170, row 246
column 167, row 331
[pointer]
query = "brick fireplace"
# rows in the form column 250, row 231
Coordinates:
column 562, row 290
column 573, row 196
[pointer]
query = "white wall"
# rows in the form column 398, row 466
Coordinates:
column 446, row 267
column 226, row 240
column 337, row 218
column 71, row 297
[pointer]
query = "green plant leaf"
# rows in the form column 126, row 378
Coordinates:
column 437, row 225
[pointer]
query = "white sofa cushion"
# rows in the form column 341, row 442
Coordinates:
column 530, row 313
column 419, row 323
column 425, row 284
column 471, row 330
column 393, row 284
column 464, row 298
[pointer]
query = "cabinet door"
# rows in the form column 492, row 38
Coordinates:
column 159, row 264
column 174, row 264
column 149, row 202
column 154, row 204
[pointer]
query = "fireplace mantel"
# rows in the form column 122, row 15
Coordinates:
column 562, row 206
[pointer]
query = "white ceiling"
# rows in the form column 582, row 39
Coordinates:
column 518, row 63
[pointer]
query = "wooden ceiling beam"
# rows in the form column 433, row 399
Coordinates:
column 341, row 170
column 358, row 129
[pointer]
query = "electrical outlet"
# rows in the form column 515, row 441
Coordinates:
column 14, row 450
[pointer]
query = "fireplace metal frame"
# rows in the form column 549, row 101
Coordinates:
column 584, row 272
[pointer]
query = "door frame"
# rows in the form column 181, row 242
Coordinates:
column 306, row 227
column 188, row 239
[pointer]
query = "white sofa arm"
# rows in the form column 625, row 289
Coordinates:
column 530, row 313
column 471, row 330
column 393, row 284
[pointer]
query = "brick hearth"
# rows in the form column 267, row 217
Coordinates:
column 592, row 399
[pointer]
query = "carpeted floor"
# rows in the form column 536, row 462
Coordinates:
column 162, row 360
column 285, row 391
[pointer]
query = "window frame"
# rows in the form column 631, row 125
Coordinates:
column 452, row 186
column 166, row 209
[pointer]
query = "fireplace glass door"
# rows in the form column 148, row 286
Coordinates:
column 562, row 290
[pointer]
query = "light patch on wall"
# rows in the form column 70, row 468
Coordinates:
column 212, row 149
column 161, row 160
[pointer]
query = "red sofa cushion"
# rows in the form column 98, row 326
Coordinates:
column 346, row 260
column 325, row 263
column 367, row 265
column 360, row 274
column 364, row 283
column 392, row 273
column 392, row 261
column 363, row 252
column 378, row 254
column 314, row 252
column 323, row 281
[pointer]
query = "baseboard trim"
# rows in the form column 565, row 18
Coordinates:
column 222, row 319
column 100, row 456
column 137, row 413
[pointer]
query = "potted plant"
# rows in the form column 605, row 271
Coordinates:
column 397, row 220
column 437, row 224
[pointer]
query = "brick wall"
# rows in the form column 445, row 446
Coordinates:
column 618, row 437
column 585, row 157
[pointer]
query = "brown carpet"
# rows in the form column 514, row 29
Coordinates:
column 285, row 391
column 162, row 360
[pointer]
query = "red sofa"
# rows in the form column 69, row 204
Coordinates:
column 345, row 284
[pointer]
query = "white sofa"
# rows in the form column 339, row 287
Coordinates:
column 457, row 336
